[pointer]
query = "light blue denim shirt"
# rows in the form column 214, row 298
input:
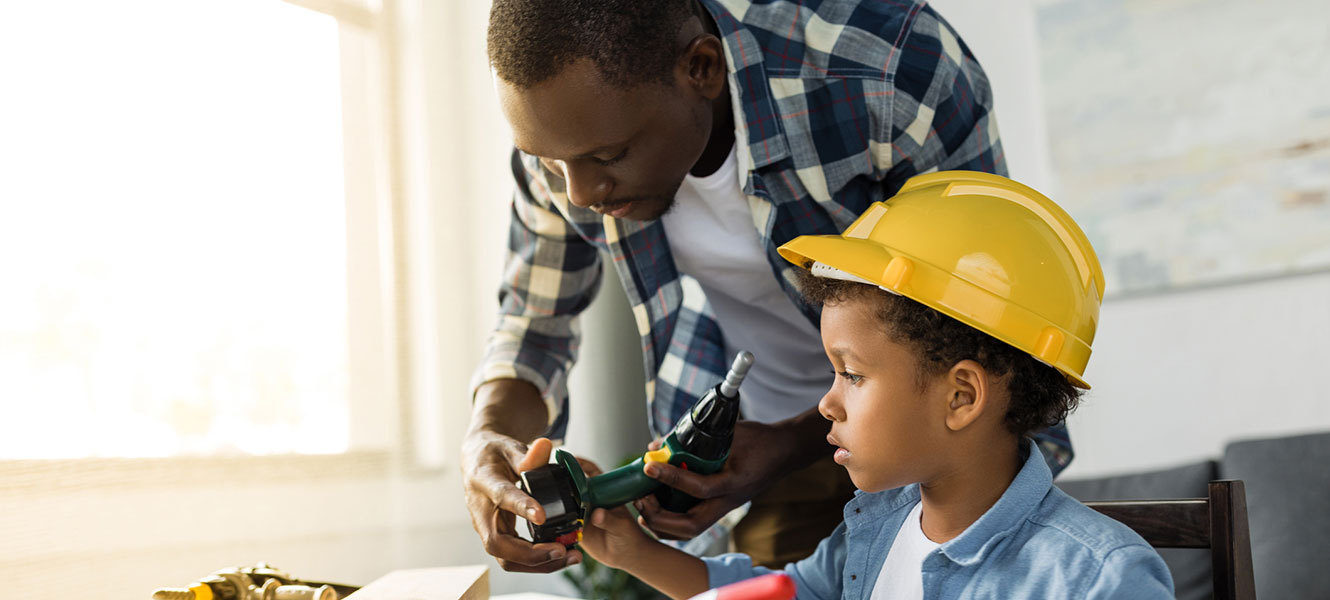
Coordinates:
column 1035, row 542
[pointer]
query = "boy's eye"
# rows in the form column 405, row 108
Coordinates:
column 851, row 377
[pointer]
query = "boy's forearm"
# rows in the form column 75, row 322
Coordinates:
column 675, row 573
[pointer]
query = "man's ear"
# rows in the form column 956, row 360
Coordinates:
column 969, row 394
column 702, row 65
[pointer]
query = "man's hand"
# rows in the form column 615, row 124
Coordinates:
column 759, row 455
column 491, row 463
column 506, row 412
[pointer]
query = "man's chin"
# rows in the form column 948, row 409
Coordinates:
column 646, row 210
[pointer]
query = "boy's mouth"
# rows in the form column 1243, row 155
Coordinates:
column 841, row 454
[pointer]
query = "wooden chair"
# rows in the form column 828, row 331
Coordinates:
column 1218, row 523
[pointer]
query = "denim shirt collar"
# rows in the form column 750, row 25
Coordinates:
column 1016, row 505
column 879, row 516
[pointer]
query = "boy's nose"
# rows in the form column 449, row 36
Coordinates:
column 828, row 407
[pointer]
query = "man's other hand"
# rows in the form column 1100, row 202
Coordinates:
column 755, row 462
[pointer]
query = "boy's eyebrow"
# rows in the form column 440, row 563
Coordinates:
column 841, row 352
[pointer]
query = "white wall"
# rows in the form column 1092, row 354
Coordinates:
column 1175, row 375
column 1178, row 375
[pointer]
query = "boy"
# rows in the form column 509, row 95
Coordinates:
column 958, row 318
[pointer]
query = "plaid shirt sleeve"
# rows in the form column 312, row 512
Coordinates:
column 942, row 106
column 551, row 274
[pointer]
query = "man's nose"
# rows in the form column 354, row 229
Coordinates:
column 586, row 186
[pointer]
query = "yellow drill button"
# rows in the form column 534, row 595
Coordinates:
column 661, row 456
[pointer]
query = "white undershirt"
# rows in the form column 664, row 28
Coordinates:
column 902, row 576
column 713, row 239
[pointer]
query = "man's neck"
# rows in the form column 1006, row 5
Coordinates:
column 721, row 140
column 722, row 114
column 954, row 501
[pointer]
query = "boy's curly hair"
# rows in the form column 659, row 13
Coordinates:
column 1040, row 395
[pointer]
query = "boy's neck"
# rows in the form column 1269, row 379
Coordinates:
column 956, row 499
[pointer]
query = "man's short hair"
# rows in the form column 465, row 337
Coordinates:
column 630, row 41
column 1041, row 396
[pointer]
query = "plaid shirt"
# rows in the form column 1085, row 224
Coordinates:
column 838, row 102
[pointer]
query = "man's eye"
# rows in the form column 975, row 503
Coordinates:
column 609, row 161
column 553, row 166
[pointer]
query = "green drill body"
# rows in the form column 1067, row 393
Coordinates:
column 700, row 443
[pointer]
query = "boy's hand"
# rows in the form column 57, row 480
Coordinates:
column 609, row 535
column 612, row 535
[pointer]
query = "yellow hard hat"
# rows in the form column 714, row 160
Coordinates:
column 983, row 249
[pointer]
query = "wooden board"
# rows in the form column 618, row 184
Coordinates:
column 442, row 583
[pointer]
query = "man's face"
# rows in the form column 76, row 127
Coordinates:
column 622, row 153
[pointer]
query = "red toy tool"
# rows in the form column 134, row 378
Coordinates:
column 772, row 586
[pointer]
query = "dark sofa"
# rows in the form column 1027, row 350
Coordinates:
column 1288, row 507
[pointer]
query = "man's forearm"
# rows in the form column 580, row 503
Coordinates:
column 512, row 407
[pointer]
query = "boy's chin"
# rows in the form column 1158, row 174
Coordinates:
column 874, row 484
column 865, row 484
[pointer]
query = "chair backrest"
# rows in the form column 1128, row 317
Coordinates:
column 1218, row 522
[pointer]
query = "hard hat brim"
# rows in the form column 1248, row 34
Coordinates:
column 878, row 265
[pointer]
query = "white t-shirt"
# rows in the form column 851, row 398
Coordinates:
column 713, row 240
column 902, row 572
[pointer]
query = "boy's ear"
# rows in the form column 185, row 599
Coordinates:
column 969, row 394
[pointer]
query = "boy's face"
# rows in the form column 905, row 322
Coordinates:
column 884, row 426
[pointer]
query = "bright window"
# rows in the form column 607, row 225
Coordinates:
column 173, row 231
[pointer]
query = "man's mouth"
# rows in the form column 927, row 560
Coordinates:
column 616, row 210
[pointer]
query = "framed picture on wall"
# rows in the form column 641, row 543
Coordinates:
column 1191, row 139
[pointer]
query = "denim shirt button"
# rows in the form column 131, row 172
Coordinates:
column 853, row 577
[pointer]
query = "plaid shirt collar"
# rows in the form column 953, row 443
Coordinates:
column 751, row 90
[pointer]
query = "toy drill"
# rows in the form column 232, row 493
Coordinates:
column 700, row 442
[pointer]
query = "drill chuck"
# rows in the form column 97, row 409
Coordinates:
column 738, row 370
column 706, row 430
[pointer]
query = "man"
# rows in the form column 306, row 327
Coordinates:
column 687, row 140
